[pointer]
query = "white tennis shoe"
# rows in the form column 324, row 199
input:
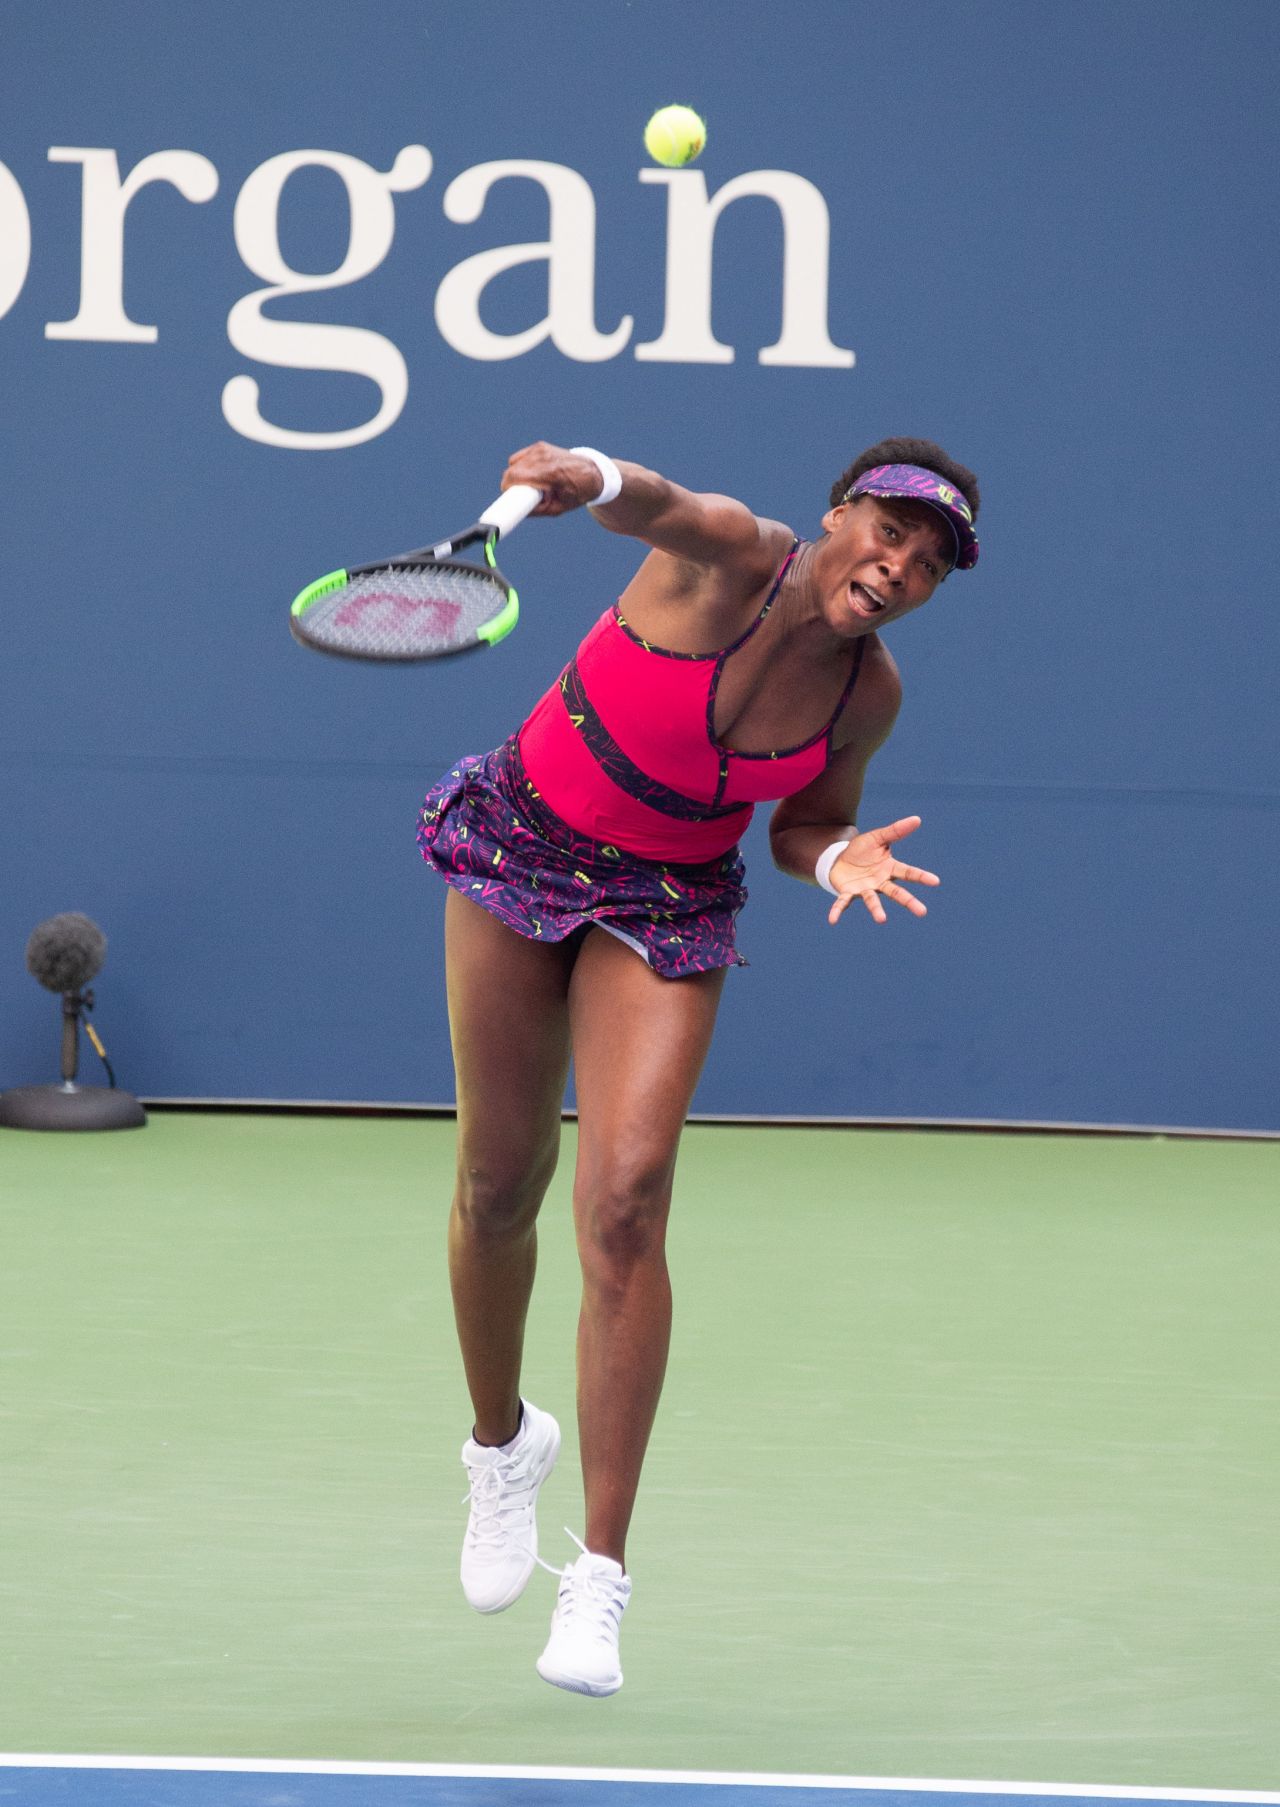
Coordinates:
column 582, row 1651
column 501, row 1543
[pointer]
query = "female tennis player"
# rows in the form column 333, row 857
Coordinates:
column 595, row 883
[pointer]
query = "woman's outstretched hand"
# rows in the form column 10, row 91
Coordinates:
column 867, row 869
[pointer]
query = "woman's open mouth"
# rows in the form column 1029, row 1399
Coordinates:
column 866, row 602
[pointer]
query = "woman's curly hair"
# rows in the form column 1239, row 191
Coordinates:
column 909, row 451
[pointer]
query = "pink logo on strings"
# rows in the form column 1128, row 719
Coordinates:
column 444, row 616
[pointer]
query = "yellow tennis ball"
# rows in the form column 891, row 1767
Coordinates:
column 674, row 136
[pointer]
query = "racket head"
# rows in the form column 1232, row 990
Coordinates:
column 405, row 610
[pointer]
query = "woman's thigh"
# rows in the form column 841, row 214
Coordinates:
column 639, row 1043
column 509, row 1026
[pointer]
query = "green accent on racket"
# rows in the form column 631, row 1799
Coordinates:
column 502, row 624
column 334, row 580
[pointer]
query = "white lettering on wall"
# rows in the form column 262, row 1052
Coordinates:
column 103, row 203
column 15, row 240
column 570, row 255
column 308, row 345
column 568, row 252
column 686, row 336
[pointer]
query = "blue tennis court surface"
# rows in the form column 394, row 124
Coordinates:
column 27, row 1781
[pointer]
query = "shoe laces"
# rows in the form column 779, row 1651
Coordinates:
column 489, row 1498
column 585, row 1593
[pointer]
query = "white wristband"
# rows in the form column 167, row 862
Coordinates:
column 610, row 475
column 822, row 871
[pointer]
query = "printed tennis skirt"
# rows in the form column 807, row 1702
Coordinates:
column 488, row 833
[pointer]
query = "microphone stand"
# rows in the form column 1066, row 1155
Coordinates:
column 72, row 1106
column 73, row 1002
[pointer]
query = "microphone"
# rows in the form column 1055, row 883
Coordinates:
column 63, row 954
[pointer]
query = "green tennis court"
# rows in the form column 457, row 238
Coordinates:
column 967, row 1464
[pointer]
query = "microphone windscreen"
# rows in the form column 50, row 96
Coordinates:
column 65, row 952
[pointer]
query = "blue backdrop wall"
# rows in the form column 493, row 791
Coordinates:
column 257, row 263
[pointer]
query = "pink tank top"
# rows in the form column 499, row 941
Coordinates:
column 623, row 746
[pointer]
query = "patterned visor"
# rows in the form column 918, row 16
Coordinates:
column 912, row 480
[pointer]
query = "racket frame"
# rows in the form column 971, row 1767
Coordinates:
column 503, row 515
column 489, row 633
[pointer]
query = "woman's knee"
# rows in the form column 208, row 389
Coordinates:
column 497, row 1200
column 622, row 1214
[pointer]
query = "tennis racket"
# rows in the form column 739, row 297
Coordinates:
column 422, row 605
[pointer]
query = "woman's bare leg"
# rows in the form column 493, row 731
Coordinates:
column 639, row 1043
column 509, row 1024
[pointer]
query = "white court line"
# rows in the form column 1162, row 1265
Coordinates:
column 685, row 1778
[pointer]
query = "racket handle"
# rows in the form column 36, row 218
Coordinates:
column 511, row 507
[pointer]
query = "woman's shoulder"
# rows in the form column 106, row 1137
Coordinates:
column 756, row 562
column 696, row 607
column 877, row 697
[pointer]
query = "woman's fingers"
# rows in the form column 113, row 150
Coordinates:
column 904, row 897
column 871, row 895
column 897, row 831
column 915, row 875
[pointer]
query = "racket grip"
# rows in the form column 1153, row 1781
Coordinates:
column 511, row 507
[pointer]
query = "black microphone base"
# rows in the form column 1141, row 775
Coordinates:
column 70, row 1107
